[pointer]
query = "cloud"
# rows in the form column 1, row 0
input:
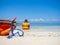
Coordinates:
column 37, row 20
column 55, row 20
column 41, row 20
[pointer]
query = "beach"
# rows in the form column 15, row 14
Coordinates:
column 33, row 38
column 37, row 35
column 29, row 22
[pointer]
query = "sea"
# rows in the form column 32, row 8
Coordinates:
column 42, row 26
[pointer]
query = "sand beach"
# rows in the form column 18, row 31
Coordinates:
column 33, row 38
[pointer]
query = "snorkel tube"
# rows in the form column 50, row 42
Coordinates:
column 14, row 31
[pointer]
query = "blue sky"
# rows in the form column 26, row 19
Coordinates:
column 33, row 10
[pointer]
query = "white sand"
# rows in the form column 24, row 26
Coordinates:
column 33, row 38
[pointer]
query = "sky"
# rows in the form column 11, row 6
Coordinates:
column 33, row 10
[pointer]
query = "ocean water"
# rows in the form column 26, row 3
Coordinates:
column 42, row 26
